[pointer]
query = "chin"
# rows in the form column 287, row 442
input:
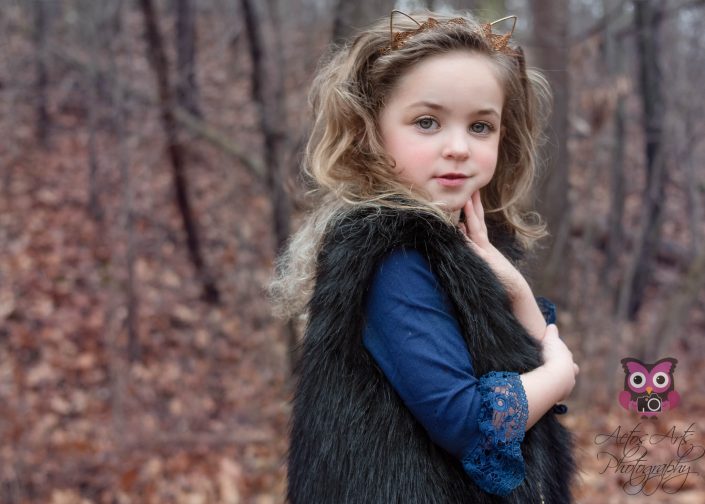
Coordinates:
column 451, row 203
column 456, row 205
column 448, row 206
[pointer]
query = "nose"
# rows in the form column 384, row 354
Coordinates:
column 648, row 390
column 456, row 145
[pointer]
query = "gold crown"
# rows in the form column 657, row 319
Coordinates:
column 497, row 42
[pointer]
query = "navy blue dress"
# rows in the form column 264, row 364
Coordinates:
column 412, row 332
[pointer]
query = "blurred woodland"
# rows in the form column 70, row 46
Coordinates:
column 149, row 172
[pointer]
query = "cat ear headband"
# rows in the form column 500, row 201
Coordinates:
column 497, row 42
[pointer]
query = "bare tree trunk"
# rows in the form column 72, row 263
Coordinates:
column 133, row 350
column 268, row 93
column 9, row 104
column 94, row 208
column 185, row 34
column 108, row 39
column 549, row 266
column 40, row 37
column 157, row 56
column 615, row 65
column 695, row 205
column 195, row 126
column 115, row 17
column 647, row 14
column 618, row 192
column 674, row 315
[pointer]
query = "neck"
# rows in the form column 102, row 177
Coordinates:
column 455, row 215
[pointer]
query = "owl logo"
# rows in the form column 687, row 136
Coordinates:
column 649, row 388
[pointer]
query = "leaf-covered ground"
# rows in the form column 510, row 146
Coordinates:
column 200, row 417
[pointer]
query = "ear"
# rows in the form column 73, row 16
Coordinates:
column 668, row 364
column 502, row 132
column 630, row 364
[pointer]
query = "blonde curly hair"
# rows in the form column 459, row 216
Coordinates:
column 345, row 163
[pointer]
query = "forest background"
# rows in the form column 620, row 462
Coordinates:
column 150, row 171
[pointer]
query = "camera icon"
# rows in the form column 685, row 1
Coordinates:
column 648, row 403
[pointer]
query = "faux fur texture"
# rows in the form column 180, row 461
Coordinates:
column 352, row 438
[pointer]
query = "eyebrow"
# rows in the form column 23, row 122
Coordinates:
column 437, row 106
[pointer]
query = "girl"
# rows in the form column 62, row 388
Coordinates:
column 427, row 372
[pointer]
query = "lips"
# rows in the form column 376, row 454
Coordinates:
column 451, row 179
column 453, row 176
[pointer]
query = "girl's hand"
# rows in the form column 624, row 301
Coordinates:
column 558, row 359
column 475, row 230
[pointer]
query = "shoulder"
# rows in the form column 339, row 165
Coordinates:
column 404, row 270
column 405, row 284
column 387, row 226
column 359, row 238
column 404, row 260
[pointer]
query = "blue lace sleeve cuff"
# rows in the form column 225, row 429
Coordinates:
column 496, row 463
column 548, row 309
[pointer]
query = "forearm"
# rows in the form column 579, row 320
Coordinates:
column 543, row 389
column 527, row 311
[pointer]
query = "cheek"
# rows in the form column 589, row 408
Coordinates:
column 487, row 159
column 417, row 157
column 392, row 145
column 410, row 154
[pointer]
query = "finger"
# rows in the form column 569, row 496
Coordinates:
column 477, row 206
column 463, row 229
column 471, row 219
column 467, row 233
column 552, row 330
column 468, row 209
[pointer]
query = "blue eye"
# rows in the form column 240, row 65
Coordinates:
column 426, row 122
column 481, row 128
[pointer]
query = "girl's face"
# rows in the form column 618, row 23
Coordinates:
column 441, row 126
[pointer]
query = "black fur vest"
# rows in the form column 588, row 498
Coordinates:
column 352, row 439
